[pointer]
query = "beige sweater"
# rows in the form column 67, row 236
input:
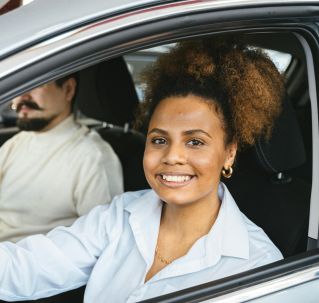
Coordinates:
column 49, row 179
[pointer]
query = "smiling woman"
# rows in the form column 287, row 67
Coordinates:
column 184, row 155
column 204, row 100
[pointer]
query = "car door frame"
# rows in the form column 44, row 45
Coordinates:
column 75, row 50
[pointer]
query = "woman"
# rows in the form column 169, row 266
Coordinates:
column 204, row 100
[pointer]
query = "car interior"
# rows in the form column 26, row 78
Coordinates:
column 272, row 180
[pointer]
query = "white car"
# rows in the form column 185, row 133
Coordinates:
column 109, row 42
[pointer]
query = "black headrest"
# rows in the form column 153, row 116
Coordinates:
column 106, row 92
column 285, row 150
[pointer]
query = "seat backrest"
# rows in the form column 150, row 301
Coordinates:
column 129, row 147
column 267, row 191
column 107, row 93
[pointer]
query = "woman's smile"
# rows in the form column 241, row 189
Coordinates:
column 175, row 179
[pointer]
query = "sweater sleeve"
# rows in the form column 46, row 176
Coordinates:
column 100, row 179
column 41, row 266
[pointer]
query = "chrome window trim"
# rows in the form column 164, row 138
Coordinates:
column 82, row 34
column 314, row 201
column 268, row 287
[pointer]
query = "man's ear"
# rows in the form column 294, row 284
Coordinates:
column 69, row 87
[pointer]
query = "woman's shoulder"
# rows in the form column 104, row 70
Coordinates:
column 261, row 248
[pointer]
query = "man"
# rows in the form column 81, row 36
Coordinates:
column 55, row 169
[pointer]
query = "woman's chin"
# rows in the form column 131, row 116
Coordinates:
column 177, row 199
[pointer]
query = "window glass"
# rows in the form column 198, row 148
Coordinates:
column 281, row 60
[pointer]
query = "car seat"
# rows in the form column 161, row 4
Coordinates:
column 107, row 93
column 267, row 190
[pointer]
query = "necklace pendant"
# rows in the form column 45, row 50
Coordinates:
column 161, row 258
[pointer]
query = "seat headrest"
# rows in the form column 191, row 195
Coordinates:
column 285, row 149
column 106, row 92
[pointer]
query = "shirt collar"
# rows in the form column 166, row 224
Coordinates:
column 145, row 215
column 227, row 237
column 57, row 135
column 230, row 226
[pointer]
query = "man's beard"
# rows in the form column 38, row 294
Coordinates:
column 33, row 124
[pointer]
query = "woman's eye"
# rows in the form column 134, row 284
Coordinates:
column 158, row 141
column 195, row 142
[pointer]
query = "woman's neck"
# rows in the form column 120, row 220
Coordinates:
column 181, row 227
column 189, row 222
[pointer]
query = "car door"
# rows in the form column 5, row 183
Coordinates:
column 139, row 25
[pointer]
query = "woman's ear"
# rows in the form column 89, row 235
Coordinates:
column 231, row 154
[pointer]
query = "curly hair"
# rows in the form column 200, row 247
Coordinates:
column 242, row 82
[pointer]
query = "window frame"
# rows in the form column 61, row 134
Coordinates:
column 133, row 37
column 251, row 284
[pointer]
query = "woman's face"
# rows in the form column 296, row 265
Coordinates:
column 185, row 151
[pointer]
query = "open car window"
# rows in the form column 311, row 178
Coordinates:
column 275, row 181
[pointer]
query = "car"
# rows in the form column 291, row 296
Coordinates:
column 110, row 42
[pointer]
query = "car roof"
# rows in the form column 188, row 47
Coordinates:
column 40, row 19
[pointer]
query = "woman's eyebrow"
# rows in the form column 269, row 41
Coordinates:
column 194, row 131
column 186, row 132
column 158, row 131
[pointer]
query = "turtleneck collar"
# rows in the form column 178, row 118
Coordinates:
column 56, row 135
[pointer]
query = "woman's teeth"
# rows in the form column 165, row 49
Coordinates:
column 176, row 178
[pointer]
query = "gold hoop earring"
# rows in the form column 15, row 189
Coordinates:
column 227, row 173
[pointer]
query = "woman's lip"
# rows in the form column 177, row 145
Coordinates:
column 176, row 174
column 175, row 184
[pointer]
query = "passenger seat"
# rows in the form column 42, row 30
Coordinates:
column 266, row 190
column 107, row 93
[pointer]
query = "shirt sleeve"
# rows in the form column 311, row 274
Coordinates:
column 100, row 179
column 41, row 266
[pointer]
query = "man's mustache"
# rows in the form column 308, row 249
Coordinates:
column 28, row 103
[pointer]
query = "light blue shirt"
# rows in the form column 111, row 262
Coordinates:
column 112, row 248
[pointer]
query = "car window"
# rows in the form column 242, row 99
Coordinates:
column 281, row 185
column 273, row 180
column 280, row 59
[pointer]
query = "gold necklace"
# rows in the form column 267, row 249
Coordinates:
column 161, row 258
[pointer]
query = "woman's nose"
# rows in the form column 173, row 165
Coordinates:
column 175, row 154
